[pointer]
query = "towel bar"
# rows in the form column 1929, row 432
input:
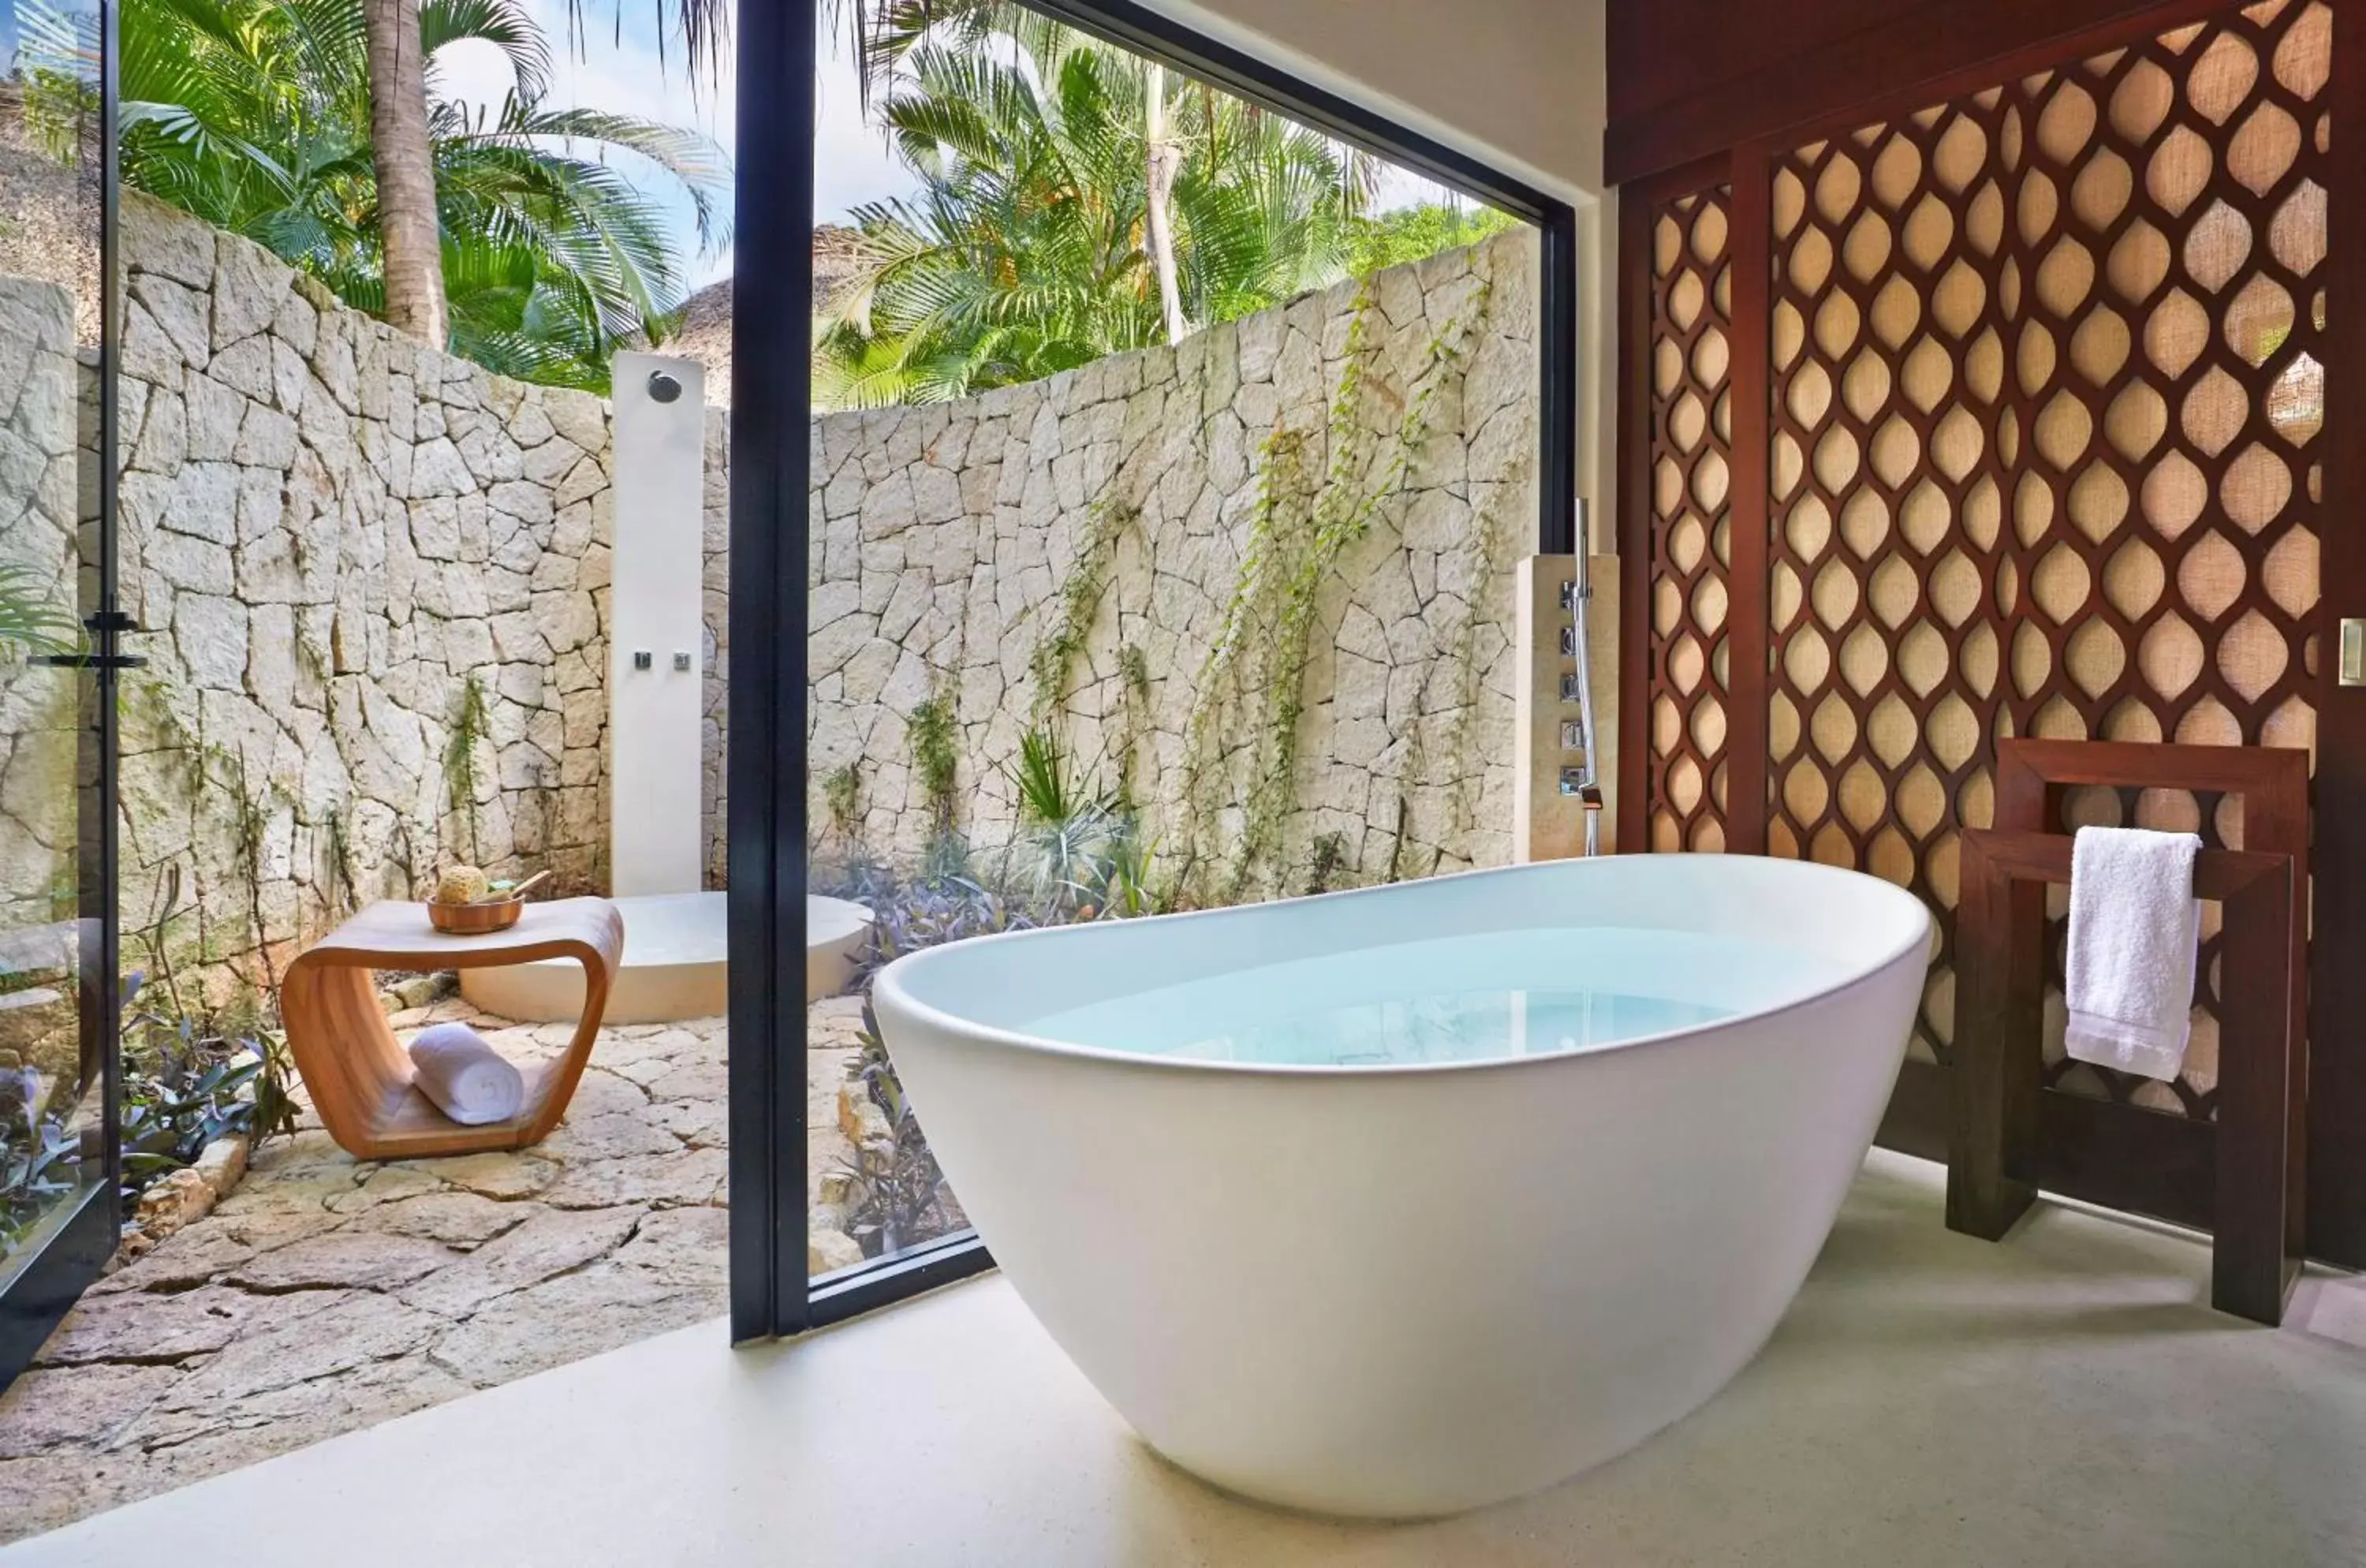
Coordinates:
column 2257, row 1209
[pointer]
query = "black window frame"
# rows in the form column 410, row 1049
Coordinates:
column 770, row 550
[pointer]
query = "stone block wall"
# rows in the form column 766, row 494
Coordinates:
column 373, row 578
column 40, row 408
column 947, row 540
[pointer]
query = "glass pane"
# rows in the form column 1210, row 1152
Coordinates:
column 51, row 1142
column 1171, row 581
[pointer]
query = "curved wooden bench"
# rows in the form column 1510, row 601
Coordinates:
column 359, row 1075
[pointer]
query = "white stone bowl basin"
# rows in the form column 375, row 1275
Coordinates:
column 1407, row 1291
column 675, row 963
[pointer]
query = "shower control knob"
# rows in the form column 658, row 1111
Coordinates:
column 641, row 659
column 682, row 661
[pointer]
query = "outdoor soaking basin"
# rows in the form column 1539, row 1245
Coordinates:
column 1399, row 1202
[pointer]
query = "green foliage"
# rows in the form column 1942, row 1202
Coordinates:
column 254, row 116
column 1133, row 687
column 1128, row 873
column 471, row 724
column 1411, row 234
column 27, row 619
column 1046, row 792
column 1025, row 250
column 1076, row 854
column 191, row 1074
column 188, row 1081
column 935, row 736
column 1329, row 859
column 1080, row 600
column 841, row 796
column 1481, row 547
column 40, row 1157
column 1253, row 682
column 895, row 1191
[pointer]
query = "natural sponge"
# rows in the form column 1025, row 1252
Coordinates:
column 461, row 885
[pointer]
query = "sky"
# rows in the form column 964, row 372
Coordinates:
column 623, row 72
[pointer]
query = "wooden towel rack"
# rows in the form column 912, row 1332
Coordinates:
column 2260, row 1144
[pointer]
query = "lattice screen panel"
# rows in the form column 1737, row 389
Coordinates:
column 1691, row 542
column 1889, row 490
column 2173, row 221
column 2046, row 389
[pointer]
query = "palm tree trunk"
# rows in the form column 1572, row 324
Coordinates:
column 1165, row 159
column 408, row 226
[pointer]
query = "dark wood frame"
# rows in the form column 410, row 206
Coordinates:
column 2155, row 1164
column 1996, row 1142
column 1948, row 48
column 2120, row 1156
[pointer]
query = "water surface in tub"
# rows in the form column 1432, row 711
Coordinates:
column 1456, row 998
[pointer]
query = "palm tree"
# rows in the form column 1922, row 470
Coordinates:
column 1030, row 247
column 257, row 115
column 883, row 38
column 403, row 155
column 404, row 159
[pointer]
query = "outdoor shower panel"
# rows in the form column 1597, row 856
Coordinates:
column 657, row 629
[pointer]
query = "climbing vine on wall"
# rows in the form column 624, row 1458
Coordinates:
column 936, row 757
column 1243, row 728
column 1455, row 710
column 471, row 724
column 1079, row 602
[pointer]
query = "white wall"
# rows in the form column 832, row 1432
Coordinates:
column 1517, row 82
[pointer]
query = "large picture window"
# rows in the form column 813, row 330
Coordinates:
column 1174, row 430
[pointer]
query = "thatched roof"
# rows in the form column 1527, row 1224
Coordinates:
column 704, row 331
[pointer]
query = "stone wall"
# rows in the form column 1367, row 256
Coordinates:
column 373, row 580
column 349, row 551
column 40, row 552
column 949, row 539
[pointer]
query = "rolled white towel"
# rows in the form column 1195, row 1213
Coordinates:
column 467, row 1079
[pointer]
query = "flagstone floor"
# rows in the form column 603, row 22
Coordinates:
column 326, row 1293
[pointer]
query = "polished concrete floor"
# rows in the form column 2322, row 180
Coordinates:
column 2060, row 1399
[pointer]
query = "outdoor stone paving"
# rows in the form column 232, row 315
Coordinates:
column 325, row 1294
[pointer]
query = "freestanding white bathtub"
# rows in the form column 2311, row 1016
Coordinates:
column 1403, row 1201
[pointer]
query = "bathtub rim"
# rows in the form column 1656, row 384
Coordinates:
column 890, row 994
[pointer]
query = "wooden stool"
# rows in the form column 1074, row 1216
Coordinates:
column 360, row 1079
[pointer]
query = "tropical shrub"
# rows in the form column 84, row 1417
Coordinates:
column 40, row 1157
column 1410, row 234
column 1027, row 249
column 188, row 1081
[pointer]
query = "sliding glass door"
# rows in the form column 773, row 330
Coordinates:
column 58, row 637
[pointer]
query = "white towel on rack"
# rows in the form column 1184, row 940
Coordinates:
column 467, row 1079
column 2135, row 928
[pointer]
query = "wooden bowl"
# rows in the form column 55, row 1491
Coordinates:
column 476, row 919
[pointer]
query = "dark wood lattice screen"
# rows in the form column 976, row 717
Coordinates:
column 2046, row 385
column 1691, row 553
